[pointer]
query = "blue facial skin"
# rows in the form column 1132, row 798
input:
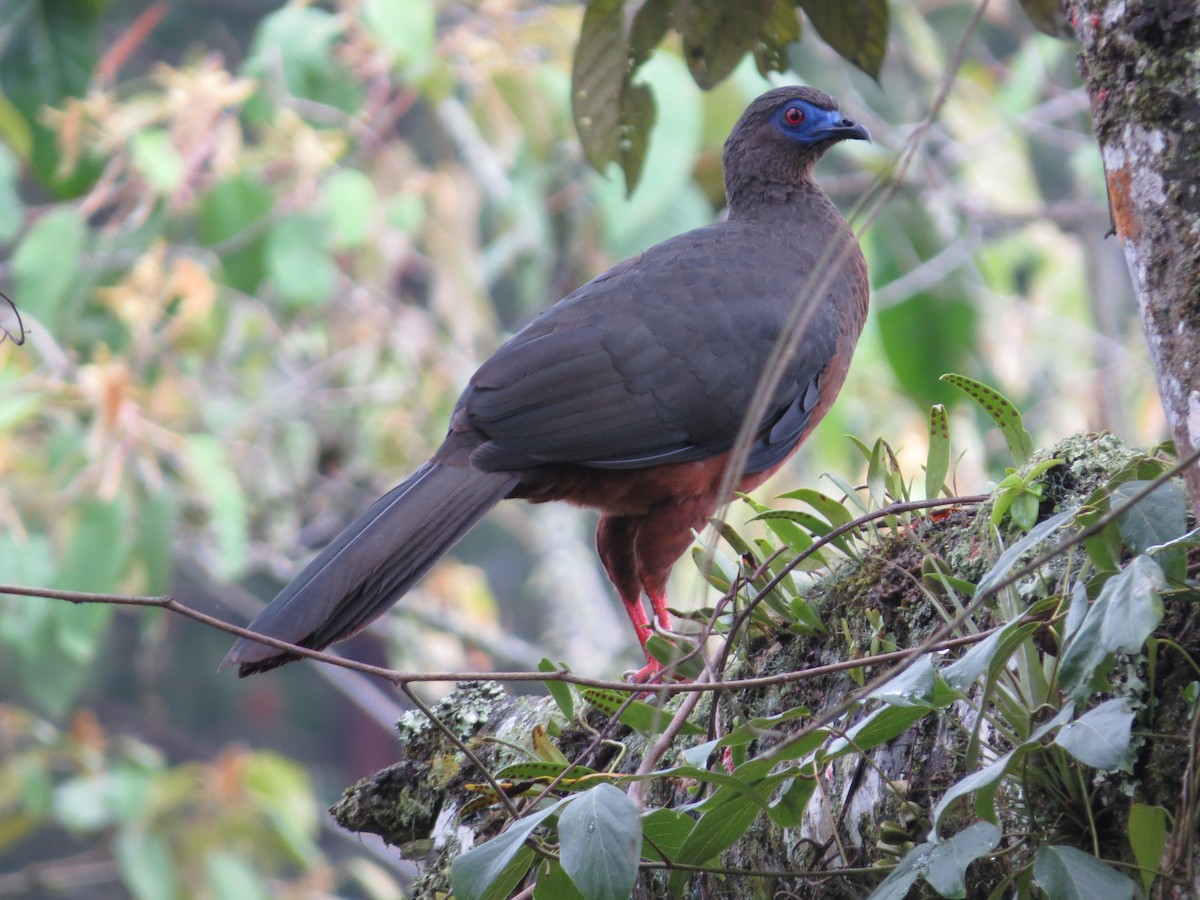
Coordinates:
column 819, row 125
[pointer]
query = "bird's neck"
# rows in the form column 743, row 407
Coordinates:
column 755, row 199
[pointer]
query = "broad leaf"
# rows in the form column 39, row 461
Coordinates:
column 600, row 836
column 299, row 263
column 664, row 831
column 912, row 687
column 963, row 672
column 1148, row 838
column 47, row 263
column 986, row 781
column 856, row 29
column 717, row 34
column 1154, row 521
column 1100, row 737
column 901, row 879
column 1130, row 605
column 946, row 868
column 1065, row 873
column 612, row 114
column 474, row 873
column 1009, row 557
column 718, row 829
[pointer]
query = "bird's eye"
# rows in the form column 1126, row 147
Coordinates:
column 793, row 116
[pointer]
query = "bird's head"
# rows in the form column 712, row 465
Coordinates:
column 780, row 137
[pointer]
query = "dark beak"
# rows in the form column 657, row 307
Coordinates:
column 844, row 130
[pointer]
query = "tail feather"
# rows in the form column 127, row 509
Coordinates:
column 367, row 567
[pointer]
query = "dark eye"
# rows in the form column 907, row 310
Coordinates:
column 793, row 116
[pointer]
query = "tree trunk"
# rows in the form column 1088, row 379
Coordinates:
column 1141, row 63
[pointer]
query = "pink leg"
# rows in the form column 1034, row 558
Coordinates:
column 658, row 600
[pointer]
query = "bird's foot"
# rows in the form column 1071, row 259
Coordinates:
column 654, row 672
column 647, row 673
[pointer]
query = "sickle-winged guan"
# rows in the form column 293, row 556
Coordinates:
column 627, row 395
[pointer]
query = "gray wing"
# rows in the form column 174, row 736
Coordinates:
column 653, row 362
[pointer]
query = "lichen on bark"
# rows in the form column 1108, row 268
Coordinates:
column 1140, row 62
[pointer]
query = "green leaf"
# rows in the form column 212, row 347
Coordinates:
column 600, row 838
column 877, row 728
column 1065, row 873
column 1049, row 16
column 15, row 131
column 157, row 160
column 156, row 530
column 1100, row 738
column 1024, row 509
column 528, row 771
column 666, row 830
column 912, row 687
column 229, row 876
column 744, row 734
column 641, row 717
column 996, row 647
column 670, row 655
column 613, row 115
column 947, row 863
column 937, row 462
column 47, row 262
column 1005, row 562
column 299, row 263
column 877, row 473
column 836, row 514
column 484, row 871
column 147, row 869
column 717, row 34
column 780, row 28
column 234, row 212
column 297, row 43
column 98, row 548
column 208, row 467
column 944, row 327
column 555, row 884
column 349, row 198
column 12, row 210
column 787, row 810
column 1003, row 413
column 49, row 53
column 1148, row 838
column 405, row 29
column 1132, row 607
column 560, row 691
column 856, row 29
column 719, row 828
column 1127, row 611
column 1158, row 518
column 985, row 782
column 905, row 874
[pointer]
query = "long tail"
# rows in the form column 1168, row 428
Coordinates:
column 373, row 562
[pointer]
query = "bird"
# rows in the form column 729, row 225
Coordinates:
column 627, row 395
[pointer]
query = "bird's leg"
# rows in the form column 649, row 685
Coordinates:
column 658, row 600
column 614, row 543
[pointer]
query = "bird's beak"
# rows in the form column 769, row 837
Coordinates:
column 843, row 129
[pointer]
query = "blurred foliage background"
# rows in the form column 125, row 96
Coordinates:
column 256, row 251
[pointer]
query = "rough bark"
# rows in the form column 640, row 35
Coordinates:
column 1140, row 61
column 423, row 804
